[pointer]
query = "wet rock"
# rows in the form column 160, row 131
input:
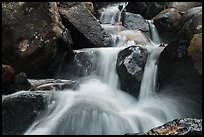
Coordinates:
column 192, row 24
column 135, row 21
column 130, row 66
column 85, row 29
column 20, row 111
column 176, row 70
column 177, row 63
column 185, row 126
column 147, row 9
column 83, row 64
column 21, row 82
column 53, row 84
column 33, row 37
column 189, row 13
column 167, row 21
column 90, row 7
column 184, row 6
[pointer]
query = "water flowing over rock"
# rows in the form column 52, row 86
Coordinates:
column 167, row 23
column 85, row 29
column 33, row 37
column 83, row 64
column 19, row 111
column 130, row 66
column 117, row 81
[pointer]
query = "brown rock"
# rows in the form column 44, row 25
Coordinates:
column 184, row 6
column 7, row 75
column 33, row 37
column 195, row 51
column 86, row 30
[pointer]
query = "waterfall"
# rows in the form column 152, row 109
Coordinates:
column 148, row 84
column 99, row 107
column 154, row 33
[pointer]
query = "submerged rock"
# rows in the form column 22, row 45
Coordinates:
column 130, row 66
column 53, row 84
column 19, row 111
column 86, row 30
column 33, row 37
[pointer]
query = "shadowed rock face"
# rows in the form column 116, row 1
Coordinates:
column 130, row 66
column 20, row 111
column 147, row 9
column 33, row 37
column 178, row 64
column 85, row 28
column 184, row 6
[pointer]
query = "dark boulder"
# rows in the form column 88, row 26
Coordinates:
column 147, row 9
column 180, row 63
column 8, row 75
column 33, row 38
column 135, row 21
column 85, row 29
column 53, row 84
column 21, row 82
column 189, row 13
column 184, row 6
column 130, row 66
column 19, row 111
column 167, row 21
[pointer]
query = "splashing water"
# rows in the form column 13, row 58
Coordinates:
column 99, row 107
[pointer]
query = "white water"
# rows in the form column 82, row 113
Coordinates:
column 154, row 32
column 99, row 107
column 148, row 83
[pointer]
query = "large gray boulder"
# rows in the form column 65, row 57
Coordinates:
column 33, row 38
column 135, row 21
column 130, row 67
column 86, row 30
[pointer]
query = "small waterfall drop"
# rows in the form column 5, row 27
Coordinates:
column 99, row 107
column 154, row 32
column 148, row 84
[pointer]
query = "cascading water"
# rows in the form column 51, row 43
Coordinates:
column 100, row 107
